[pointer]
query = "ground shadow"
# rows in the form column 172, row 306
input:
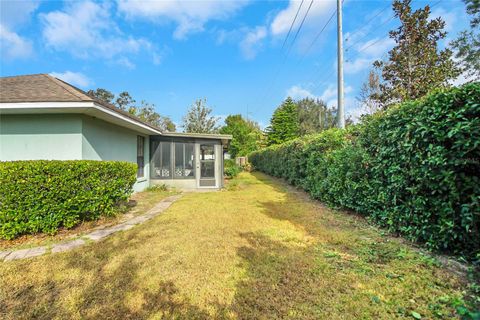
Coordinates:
column 111, row 293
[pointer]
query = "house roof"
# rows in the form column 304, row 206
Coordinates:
column 46, row 88
column 41, row 88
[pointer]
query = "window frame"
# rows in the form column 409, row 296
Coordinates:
column 140, row 157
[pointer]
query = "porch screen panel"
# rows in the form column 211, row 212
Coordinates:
column 184, row 161
column 161, row 160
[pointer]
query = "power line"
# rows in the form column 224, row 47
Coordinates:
column 368, row 22
column 291, row 26
column 300, row 27
column 318, row 35
column 286, row 54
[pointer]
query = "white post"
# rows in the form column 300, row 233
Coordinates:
column 340, row 106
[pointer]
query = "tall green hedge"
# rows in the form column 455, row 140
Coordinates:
column 42, row 196
column 414, row 169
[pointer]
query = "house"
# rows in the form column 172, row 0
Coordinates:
column 42, row 117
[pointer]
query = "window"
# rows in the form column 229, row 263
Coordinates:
column 140, row 157
column 184, row 160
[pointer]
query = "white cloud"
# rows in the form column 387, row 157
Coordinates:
column 85, row 29
column 366, row 53
column 297, row 92
column 251, row 42
column 14, row 46
column 75, row 78
column 126, row 63
column 190, row 17
column 15, row 13
column 319, row 10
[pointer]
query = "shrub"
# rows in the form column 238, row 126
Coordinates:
column 231, row 168
column 414, row 169
column 42, row 196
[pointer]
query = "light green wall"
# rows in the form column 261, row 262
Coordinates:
column 104, row 141
column 40, row 136
column 68, row 137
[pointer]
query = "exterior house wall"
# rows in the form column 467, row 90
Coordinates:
column 40, row 137
column 104, row 141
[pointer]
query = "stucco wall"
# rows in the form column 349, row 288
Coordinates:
column 40, row 136
column 104, row 141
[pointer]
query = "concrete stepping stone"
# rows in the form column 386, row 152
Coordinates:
column 26, row 253
column 3, row 254
column 60, row 247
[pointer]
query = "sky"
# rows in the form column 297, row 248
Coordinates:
column 233, row 53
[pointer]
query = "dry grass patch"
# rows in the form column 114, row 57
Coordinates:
column 257, row 251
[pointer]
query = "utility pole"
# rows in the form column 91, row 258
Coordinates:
column 340, row 106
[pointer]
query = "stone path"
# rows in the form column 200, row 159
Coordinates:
column 96, row 235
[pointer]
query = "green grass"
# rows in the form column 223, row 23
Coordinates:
column 258, row 250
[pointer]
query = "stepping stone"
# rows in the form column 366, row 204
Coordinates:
column 99, row 234
column 26, row 253
column 122, row 227
column 67, row 245
column 3, row 254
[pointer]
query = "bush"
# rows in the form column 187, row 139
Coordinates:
column 414, row 169
column 42, row 196
column 231, row 169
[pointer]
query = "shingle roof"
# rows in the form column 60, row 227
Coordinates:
column 39, row 88
column 45, row 88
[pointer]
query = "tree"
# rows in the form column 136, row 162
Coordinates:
column 125, row 101
column 199, row 120
column 101, row 94
column 147, row 113
column 415, row 64
column 284, row 124
column 467, row 45
column 369, row 94
column 247, row 135
column 314, row 116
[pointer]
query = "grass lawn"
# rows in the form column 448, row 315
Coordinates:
column 259, row 250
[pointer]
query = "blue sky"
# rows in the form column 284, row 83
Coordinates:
column 231, row 52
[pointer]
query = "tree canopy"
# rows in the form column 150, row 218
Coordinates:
column 314, row 116
column 467, row 45
column 284, row 124
column 415, row 65
column 247, row 136
column 145, row 111
column 199, row 120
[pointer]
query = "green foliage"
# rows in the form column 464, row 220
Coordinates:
column 247, row 136
column 101, row 94
column 199, row 120
column 467, row 45
column 145, row 111
column 42, row 196
column 284, row 124
column 415, row 169
column 314, row 116
column 158, row 188
column 416, row 51
column 231, row 169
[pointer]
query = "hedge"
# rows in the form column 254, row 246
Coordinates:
column 42, row 196
column 414, row 169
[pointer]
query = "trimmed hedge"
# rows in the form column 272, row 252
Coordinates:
column 414, row 169
column 42, row 196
